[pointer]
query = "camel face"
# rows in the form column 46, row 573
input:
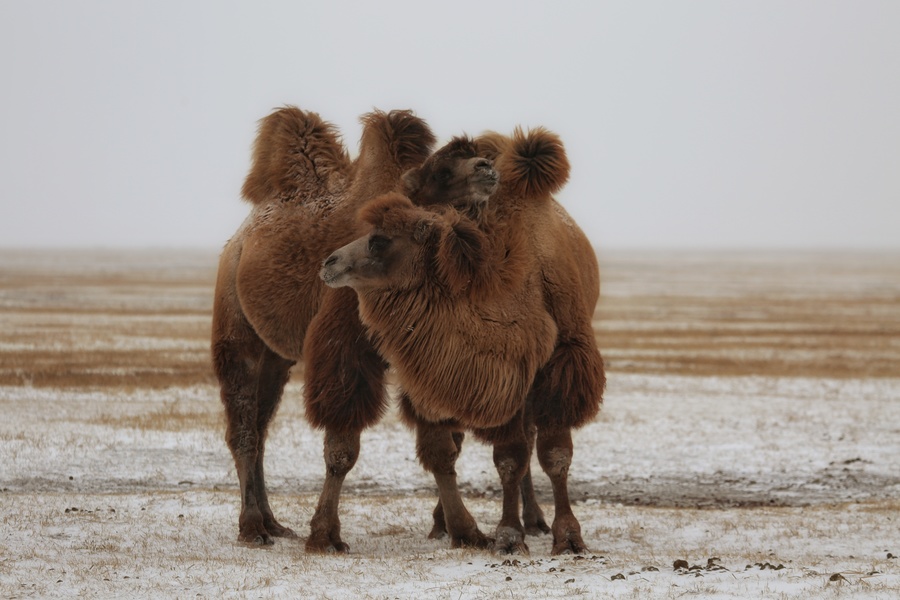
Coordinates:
column 374, row 261
column 454, row 176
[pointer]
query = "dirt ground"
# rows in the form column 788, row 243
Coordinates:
column 752, row 418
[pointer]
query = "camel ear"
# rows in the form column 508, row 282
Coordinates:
column 411, row 181
column 460, row 254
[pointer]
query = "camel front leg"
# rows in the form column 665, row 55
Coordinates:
column 438, row 448
column 511, row 460
column 554, row 448
column 439, row 528
column 341, row 452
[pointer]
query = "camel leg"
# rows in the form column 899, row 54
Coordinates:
column 341, row 452
column 554, row 449
column 251, row 379
column 511, row 460
column 344, row 394
column 438, row 448
column 439, row 529
column 274, row 374
column 532, row 515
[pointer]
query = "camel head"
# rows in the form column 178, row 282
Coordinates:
column 405, row 246
column 456, row 175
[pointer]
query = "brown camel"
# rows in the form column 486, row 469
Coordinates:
column 474, row 310
column 306, row 191
column 344, row 374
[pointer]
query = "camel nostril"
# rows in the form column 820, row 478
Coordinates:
column 330, row 261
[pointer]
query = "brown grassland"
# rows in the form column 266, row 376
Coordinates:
column 108, row 319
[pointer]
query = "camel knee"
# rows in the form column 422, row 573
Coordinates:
column 511, row 463
column 555, row 461
column 438, row 458
column 341, row 452
column 243, row 443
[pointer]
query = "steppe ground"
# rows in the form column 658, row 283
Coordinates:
column 749, row 445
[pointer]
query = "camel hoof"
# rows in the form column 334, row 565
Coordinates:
column 278, row 530
column 510, row 541
column 437, row 533
column 256, row 540
column 472, row 539
column 338, row 548
column 572, row 545
column 539, row 527
column 326, row 547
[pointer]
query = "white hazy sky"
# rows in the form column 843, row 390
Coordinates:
column 688, row 124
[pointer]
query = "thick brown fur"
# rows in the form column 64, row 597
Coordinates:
column 305, row 193
column 533, row 166
column 272, row 310
column 415, row 291
column 440, row 321
column 295, row 154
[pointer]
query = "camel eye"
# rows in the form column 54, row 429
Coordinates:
column 445, row 175
column 377, row 243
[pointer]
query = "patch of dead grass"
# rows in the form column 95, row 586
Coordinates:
column 142, row 320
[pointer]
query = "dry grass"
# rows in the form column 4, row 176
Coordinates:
column 92, row 320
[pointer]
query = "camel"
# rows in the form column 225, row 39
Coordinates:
column 305, row 192
column 500, row 314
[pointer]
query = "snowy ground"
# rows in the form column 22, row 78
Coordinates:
column 766, row 484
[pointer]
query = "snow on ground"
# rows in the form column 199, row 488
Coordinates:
column 749, row 445
column 765, row 487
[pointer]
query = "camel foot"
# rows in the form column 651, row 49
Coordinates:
column 510, row 541
column 259, row 541
column 536, row 526
column 255, row 537
column 276, row 529
column 571, row 543
column 471, row 539
column 318, row 544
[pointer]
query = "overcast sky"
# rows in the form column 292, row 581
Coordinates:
column 688, row 124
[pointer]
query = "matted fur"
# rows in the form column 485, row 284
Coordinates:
column 295, row 154
column 532, row 164
column 568, row 390
column 427, row 298
column 459, row 353
column 268, row 298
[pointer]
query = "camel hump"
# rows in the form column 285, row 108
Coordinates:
column 406, row 138
column 532, row 164
column 296, row 155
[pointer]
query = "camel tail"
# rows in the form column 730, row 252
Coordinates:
column 534, row 164
column 408, row 138
column 295, row 155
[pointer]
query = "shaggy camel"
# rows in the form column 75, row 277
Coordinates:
column 306, row 191
column 490, row 312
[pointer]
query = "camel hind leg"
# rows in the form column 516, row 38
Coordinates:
column 252, row 379
column 274, row 374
